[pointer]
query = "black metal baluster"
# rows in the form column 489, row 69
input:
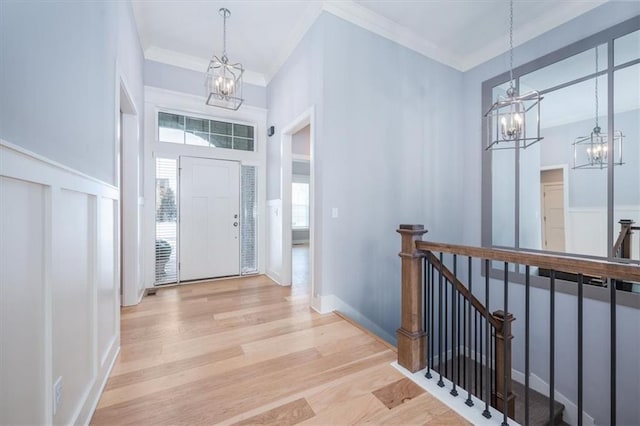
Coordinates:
column 425, row 310
column 492, row 363
column 505, row 334
column 580, row 307
column 612, row 307
column 440, row 351
column 469, row 401
column 454, row 320
column 446, row 326
column 479, row 355
column 552, row 342
column 458, row 337
column 486, row 413
column 432, row 351
column 527, row 286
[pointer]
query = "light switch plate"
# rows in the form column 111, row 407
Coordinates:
column 334, row 212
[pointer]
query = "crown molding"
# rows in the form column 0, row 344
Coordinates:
column 311, row 13
column 177, row 59
column 369, row 20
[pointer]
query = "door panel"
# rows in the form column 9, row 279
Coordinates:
column 553, row 219
column 209, row 218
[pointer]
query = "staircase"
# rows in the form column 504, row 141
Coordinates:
column 444, row 311
column 538, row 403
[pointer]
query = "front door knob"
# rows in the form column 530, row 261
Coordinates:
column 235, row 223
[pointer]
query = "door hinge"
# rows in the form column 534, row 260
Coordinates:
column 179, row 264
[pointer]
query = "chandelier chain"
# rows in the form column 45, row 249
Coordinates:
column 224, row 34
column 511, row 44
column 596, row 86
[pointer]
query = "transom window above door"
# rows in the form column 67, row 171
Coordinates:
column 182, row 129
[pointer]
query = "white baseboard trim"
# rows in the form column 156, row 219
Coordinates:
column 274, row 276
column 472, row 414
column 91, row 403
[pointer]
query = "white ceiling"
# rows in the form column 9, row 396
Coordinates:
column 262, row 33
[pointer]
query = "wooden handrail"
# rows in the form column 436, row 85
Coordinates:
column 558, row 262
column 464, row 291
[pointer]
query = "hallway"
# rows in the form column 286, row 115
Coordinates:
column 248, row 351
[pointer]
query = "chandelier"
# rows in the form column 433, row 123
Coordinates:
column 507, row 117
column 224, row 80
column 592, row 152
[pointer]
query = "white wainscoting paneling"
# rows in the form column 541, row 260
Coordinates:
column 594, row 220
column 59, row 288
column 22, row 303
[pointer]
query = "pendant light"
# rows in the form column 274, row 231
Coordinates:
column 507, row 117
column 592, row 152
column 224, row 80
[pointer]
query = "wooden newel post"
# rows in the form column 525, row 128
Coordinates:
column 625, row 249
column 412, row 339
column 503, row 365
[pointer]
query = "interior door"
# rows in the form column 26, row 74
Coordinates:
column 209, row 218
column 553, row 219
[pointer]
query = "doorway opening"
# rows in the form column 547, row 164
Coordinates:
column 297, row 190
column 300, row 209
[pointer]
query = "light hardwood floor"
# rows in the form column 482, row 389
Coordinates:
column 246, row 351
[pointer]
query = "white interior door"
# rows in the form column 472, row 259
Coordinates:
column 209, row 218
column 553, row 219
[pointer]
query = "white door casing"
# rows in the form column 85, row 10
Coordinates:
column 209, row 218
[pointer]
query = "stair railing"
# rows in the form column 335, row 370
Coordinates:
column 453, row 335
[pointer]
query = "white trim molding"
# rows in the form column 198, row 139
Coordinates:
column 157, row 100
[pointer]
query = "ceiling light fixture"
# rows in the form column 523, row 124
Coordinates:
column 224, row 80
column 592, row 152
column 507, row 117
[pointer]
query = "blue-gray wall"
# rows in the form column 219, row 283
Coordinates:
column 296, row 87
column 387, row 130
column 58, row 81
column 379, row 134
column 183, row 80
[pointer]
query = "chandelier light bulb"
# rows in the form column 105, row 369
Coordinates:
column 511, row 128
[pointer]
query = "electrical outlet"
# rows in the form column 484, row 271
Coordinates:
column 57, row 395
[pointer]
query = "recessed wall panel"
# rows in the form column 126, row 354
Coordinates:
column 22, row 333
column 71, row 299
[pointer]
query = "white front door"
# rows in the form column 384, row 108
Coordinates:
column 209, row 218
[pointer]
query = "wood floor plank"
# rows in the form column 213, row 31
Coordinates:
column 248, row 351
column 288, row 414
column 398, row 392
column 348, row 412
